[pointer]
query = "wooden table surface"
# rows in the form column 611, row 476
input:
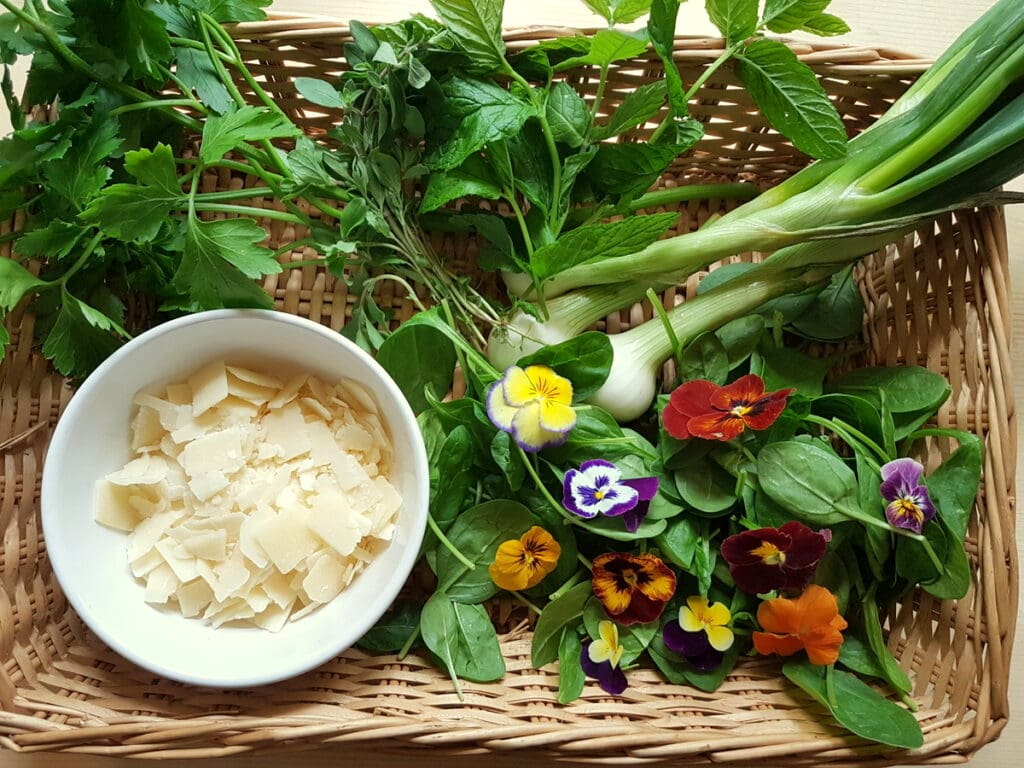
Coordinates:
column 921, row 26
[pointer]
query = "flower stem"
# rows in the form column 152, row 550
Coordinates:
column 518, row 596
column 532, row 470
column 447, row 544
column 576, row 578
column 410, row 641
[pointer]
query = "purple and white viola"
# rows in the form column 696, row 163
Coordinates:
column 597, row 488
column 909, row 505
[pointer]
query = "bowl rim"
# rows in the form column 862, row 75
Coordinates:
column 61, row 437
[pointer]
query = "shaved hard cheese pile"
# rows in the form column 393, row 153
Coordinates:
column 250, row 499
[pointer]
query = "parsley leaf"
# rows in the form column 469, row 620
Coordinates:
column 135, row 212
column 219, row 262
column 224, row 133
column 81, row 337
column 81, row 172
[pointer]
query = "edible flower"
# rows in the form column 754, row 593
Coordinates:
column 534, row 405
column 597, row 488
column 632, row 588
column 701, row 408
column 909, row 504
column 524, row 562
column 701, row 634
column 768, row 559
column 600, row 659
column 811, row 622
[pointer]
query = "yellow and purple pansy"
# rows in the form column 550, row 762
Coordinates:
column 534, row 405
column 600, row 659
column 702, row 633
column 909, row 505
column 597, row 488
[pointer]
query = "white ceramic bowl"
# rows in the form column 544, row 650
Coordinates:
column 90, row 560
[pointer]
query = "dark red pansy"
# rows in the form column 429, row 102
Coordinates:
column 701, row 408
column 770, row 559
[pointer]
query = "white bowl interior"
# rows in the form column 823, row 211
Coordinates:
column 92, row 440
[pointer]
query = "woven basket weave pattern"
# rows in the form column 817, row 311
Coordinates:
column 938, row 298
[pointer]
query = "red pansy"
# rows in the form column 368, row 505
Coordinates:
column 701, row 408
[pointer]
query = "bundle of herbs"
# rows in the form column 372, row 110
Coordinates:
column 756, row 509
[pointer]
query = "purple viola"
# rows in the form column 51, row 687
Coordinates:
column 702, row 633
column 597, row 488
column 600, row 659
column 909, row 506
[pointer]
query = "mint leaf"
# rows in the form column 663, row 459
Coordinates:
column 637, row 108
column 602, row 8
column 825, row 25
column 482, row 113
column 567, row 115
column 135, row 212
column 735, row 19
column 789, row 95
column 80, row 174
column 80, row 338
column 476, row 27
column 662, row 29
column 319, row 92
column 15, row 282
column 197, row 73
column 54, row 241
column 607, row 46
column 624, row 169
column 784, row 16
column 604, row 241
column 223, row 133
column 219, row 262
column 626, row 11
column 473, row 177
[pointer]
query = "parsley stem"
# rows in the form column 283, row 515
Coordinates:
column 245, row 210
column 235, row 194
column 218, row 65
column 157, row 104
column 228, row 42
column 86, row 253
column 233, row 165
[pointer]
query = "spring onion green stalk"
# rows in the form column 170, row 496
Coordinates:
column 639, row 353
column 955, row 134
column 886, row 166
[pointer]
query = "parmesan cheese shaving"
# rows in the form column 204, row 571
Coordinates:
column 250, row 500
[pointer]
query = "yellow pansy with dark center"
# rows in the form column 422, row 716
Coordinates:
column 524, row 562
column 534, row 405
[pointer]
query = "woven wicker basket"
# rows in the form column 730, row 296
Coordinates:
column 938, row 299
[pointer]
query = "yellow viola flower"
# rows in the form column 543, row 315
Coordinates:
column 607, row 647
column 712, row 619
column 524, row 562
column 534, row 405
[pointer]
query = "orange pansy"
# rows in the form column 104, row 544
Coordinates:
column 810, row 622
column 524, row 562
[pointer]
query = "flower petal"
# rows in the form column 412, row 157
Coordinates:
column 508, row 570
column 572, row 499
column 687, row 644
column 817, row 606
column 611, row 679
column 549, row 385
column 645, row 487
column 528, row 432
column 905, row 471
column 619, row 500
column 609, row 633
column 720, row 638
column 599, row 651
column 694, row 397
column 641, row 610
column 517, row 386
column 674, row 421
column 780, row 616
column 745, row 390
column 716, row 425
column 905, row 513
column 689, row 620
column 717, row 615
column 606, row 589
column 634, row 517
column 661, row 583
column 758, row 578
column 708, row 661
column 764, row 411
column 767, row 643
column 556, row 417
column 822, row 644
column 806, row 546
column 500, row 412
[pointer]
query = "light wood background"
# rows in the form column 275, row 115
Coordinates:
column 920, row 26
